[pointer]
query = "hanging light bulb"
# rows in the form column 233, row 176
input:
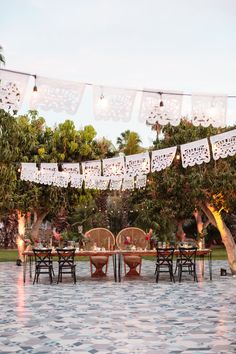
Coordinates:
column 35, row 88
column 161, row 104
column 177, row 156
column 156, row 112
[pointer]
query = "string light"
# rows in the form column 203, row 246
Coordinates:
column 177, row 156
column 128, row 89
column 35, row 88
column 161, row 104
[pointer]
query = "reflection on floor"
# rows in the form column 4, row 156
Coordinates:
column 134, row 316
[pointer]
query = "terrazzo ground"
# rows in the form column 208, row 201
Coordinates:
column 134, row 316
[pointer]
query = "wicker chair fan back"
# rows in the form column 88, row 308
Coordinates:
column 102, row 237
column 132, row 236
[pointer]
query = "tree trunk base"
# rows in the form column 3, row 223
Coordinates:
column 233, row 268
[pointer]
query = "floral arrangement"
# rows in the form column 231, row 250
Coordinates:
column 127, row 240
column 149, row 235
column 57, row 235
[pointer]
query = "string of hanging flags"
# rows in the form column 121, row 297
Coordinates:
column 128, row 172
column 109, row 103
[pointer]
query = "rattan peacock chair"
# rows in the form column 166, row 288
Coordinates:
column 132, row 238
column 99, row 239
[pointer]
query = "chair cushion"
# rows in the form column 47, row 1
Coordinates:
column 99, row 259
column 132, row 258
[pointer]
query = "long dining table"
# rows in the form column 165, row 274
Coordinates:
column 117, row 257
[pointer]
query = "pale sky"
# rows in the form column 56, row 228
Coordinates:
column 186, row 45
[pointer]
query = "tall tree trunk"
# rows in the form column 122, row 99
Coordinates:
column 208, row 214
column 20, row 241
column 38, row 219
column 200, row 227
column 198, row 217
column 180, row 234
column 226, row 236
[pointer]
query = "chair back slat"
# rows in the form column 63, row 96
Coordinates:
column 43, row 263
column 43, row 257
column 186, row 262
column 165, row 256
column 66, row 257
column 164, row 262
column 187, row 255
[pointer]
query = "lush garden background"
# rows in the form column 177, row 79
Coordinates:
column 197, row 202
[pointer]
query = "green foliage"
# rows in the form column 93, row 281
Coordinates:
column 197, row 183
column 172, row 194
column 33, row 137
column 8, row 185
column 129, row 143
column 184, row 133
column 104, row 148
column 84, row 214
column 9, row 138
column 35, row 142
column 9, row 142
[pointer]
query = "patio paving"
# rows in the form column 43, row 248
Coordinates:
column 134, row 316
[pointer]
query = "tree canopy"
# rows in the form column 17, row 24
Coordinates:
column 175, row 193
column 35, row 142
column 129, row 143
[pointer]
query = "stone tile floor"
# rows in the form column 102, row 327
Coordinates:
column 134, row 316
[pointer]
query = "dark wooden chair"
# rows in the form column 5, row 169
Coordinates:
column 66, row 263
column 164, row 262
column 187, row 262
column 187, row 243
column 43, row 263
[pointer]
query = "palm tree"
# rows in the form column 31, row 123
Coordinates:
column 122, row 140
column 129, row 143
column 2, row 59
